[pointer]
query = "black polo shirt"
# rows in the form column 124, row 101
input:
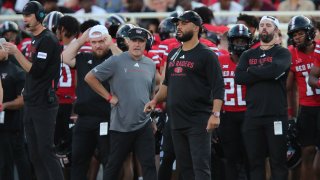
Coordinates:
column 45, row 71
column 88, row 102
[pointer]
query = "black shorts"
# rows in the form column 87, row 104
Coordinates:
column 308, row 125
column 230, row 132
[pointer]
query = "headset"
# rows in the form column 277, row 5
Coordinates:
column 39, row 11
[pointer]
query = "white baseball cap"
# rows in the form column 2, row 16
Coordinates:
column 98, row 31
column 274, row 20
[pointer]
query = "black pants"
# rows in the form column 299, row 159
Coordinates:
column 14, row 153
column 260, row 141
column 85, row 140
column 192, row 147
column 39, row 126
column 62, row 131
column 141, row 142
column 20, row 156
column 230, row 131
column 6, row 159
column 165, row 170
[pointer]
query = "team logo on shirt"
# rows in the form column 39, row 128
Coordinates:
column 3, row 75
column 178, row 70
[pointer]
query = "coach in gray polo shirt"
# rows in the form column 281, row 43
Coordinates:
column 131, row 76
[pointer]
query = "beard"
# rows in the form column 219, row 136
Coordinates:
column 266, row 38
column 99, row 55
column 185, row 37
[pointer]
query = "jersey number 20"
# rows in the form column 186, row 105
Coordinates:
column 233, row 87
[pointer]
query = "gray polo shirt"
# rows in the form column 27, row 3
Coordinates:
column 132, row 81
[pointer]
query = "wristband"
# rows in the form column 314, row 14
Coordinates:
column 216, row 114
column 109, row 98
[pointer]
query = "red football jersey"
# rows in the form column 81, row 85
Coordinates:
column 158, row 61
column 234, row 95
column 25, row 47
column 25, row 43
column 67, row 85
column 155, row 57
column 301, row 65
column 158, row 56
column 166, row 46
column 317, row 54
column 210, row 45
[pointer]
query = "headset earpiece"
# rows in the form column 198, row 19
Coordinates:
column 40, row 13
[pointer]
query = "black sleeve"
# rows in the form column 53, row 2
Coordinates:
column 275, row 69
column 20, row 77
column 166, row 78
column 80, row 57
column 214, row 75
column 46, row 49
column 242, row 77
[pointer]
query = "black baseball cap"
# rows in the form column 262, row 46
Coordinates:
column 189, row 16
column 138, row 33
column 31, row 7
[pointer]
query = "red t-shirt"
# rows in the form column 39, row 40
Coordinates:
column 301, row 65
column 234, row 95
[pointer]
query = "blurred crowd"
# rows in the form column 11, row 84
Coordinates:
column 116, row 6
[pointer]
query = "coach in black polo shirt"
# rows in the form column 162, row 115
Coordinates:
column 41, row 105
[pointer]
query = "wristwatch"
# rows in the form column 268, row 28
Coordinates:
column 216, row 114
